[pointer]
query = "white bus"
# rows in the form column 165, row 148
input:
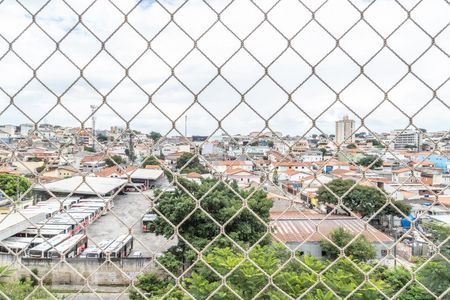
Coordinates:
column 42, row 250
column 31, row 241
column 102, row 206
column 95, row 212
column 121, row 247
column 13, row 246
column 72, row 247
column 45, row 233
column 82, row 217
column 67, row 228
column 108, row 201
column 74, row 222
column 87, row 210
column 96, row 251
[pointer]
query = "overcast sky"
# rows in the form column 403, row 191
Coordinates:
column 290, row 67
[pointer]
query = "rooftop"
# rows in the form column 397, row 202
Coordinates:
column 90, row 186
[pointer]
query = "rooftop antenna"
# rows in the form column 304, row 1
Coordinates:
column 185, row 126
column 93, row 108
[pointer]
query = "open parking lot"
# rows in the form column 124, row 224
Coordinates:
column 127, row 213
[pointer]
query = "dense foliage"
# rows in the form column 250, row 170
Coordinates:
column 360, row 249
column 362, row 199
column 291, row 277
column 114, row 160
column 186, row 165
column 370, row 160
column 222, row 204
column 14, row 185
column 155, row 136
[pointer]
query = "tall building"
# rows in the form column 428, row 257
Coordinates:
column 345, row 131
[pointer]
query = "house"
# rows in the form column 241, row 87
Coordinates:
column 93, row 162
column 332, row 164
column 144, row 178
column 222, row 166
column 196, row 177
column 292, row 175
column 303, row 232
column 113, row 171
column 61, row 172
column 405, row 175
column 283, row 166
column 431, row 176
column 242, row 177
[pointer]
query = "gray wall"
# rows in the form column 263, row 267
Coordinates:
column 98, row 272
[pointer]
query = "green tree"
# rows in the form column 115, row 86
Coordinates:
column 114, row 160
column 101, row 137
column 151, row 284
column 89, row 149
column 152, row 160
column 351, row 146
column 410, row 147
column 362, row 199
column 221, row 203
column 155, row 136
column 435, row 275
column 439, row 233
column 376, row 143
column 246, row 279
column 194, row 165
column 370, row 160
column 396, row 279
column 360, row 249
column 14, row 185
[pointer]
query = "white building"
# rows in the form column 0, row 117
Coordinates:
column 403, row 139
column 25, row 129
column 345, row 131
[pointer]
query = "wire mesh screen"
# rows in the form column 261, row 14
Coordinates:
column 238, row 149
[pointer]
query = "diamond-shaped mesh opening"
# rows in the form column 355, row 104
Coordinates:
column 289, row 149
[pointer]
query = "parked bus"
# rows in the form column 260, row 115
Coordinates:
column 31, row 241
column 108, row 201
column 121, row 247
column 92, row 213
column 102, row 206
column 35, row 232
column 60, row 202
column 96, row 251
column 66, row 227
column 72, row 247
column 82, row 217
column 97, row 211
column 148, row 223
column 42, row 250
column 13, row 246
column 74, row 222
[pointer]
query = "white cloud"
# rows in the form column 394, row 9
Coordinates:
column 241, row 69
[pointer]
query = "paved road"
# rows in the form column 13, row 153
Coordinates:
column 127, row 213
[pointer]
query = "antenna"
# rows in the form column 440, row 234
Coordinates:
column 93, row 108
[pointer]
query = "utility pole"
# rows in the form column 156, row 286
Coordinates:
column 93, row 108
column 185, row 126
column 131, row 151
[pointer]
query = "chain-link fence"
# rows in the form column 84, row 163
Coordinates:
column 224, row 149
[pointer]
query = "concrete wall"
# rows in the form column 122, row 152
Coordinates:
column 72, row 271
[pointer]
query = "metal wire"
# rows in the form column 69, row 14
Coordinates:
column 289, row 40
